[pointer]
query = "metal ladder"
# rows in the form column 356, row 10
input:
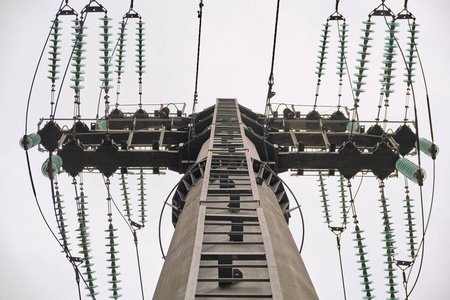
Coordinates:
column 233, row 261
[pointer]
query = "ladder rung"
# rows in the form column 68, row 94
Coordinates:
column 230, row 208
column 227, row 184
column 234, row 177
column 233, row 243
column 231, row 224
column 233, row 232
column 234, row 279
column 233, row 296
column 233, row 266
column 234, row 255
column 234, row 171
column 229, row 217
column 229, row 201
column 229, row 191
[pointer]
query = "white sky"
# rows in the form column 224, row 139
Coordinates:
column 235, row 62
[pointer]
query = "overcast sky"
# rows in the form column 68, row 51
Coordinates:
column 235, row 62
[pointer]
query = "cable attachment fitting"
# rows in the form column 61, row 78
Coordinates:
column 405, row 14
column 200, row 12
column 137, row 225
column 403, row 263
column 92, row 8
column 336, row 16
column 337, row 229
column 132, row 14
column 74, row 259
column 67, row 10
column 382, row 10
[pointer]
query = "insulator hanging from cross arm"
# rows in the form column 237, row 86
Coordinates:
column 60, row 215
column 142, row 197
column 410, row 225
column 411, row 170
column 363, row 261
column 85, row 244
column 126, row 199
column 324, row 200
column 389, row 245
column 343, row 201
column 113, row 259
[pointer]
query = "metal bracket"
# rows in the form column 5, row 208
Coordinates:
column 294, row 138
column 161, row 136
column 404, row 263
column 336, row 16
column 89, row 8
column 382, row 10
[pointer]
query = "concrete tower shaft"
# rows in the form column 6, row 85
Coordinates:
column 231, row 239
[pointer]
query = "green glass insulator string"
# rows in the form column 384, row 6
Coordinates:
column 410, row 62
column 321, row 62
column 140, row 56
column 324, row 195
column 342, row 64
column 410, row 225
column 360, row 246
column 78, row 59
column 126, row 199
column 344, row 207
column 83, row 236
column 142, row 197
column 325, row 201
column 363, row 61
column 106, row 60
column 120, row 60
column 387, row 76
column 54, row 60
column 363, row 261
column 54, row 52
column 388, row 235
column 112, row 250
column 60, row 215
column 113, row 267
